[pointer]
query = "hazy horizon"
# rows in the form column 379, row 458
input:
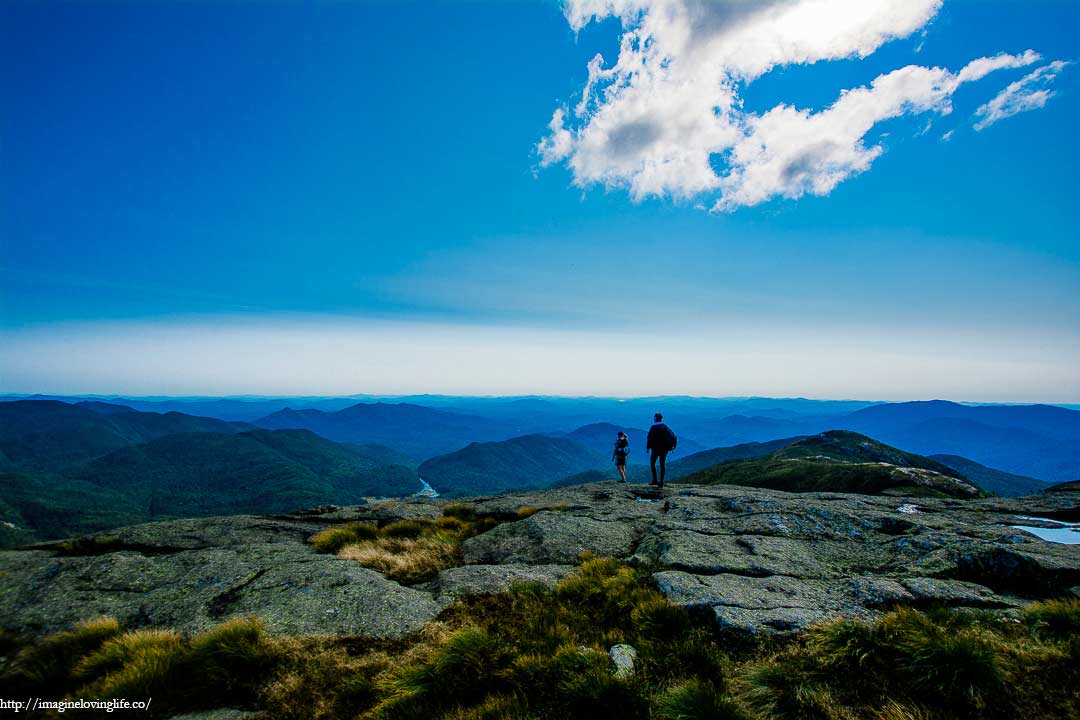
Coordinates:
column 418, row 398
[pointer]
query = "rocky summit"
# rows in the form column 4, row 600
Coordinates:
column 756, row 560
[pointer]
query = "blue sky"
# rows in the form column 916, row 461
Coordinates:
column 361, row 181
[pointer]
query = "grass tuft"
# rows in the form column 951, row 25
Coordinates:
column 140, row 663
column 405, row 560
column 88, row 545
column 1056, row 619
column 405, row 529
column 229, row 660
column 698, row 700
column 407, row 551
column 46, row 666
column 333, row 539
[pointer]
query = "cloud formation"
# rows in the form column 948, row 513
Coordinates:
column 667, row 119
column 1030, row 92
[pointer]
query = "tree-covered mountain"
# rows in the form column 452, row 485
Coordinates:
column 530, row 461
column 841, row 461
column 992, row 481
column 48, row 436
column 418, row 431
column 258, row 471
column 69, row 469
column 34, row 508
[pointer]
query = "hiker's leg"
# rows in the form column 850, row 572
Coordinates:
column 663, row 466
column 622, row 472
column 652, row 464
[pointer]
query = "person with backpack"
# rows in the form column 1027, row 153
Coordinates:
column 659, row 443
column 619, row 454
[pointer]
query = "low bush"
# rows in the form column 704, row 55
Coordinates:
column 698, row 700
column 1055, row 619
column 46, row 666
column 136, row 664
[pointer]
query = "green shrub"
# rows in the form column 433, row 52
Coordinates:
column 463, row 671
column 586, row 687
column 693, row 654
column 9, row 642
column 229, row 661
column 698, row 700
column 140, row 663
column 1057, row 619
column 849, row 645
column 47, row 665
column 333, row 539
column 88, row 545
column 656, row 618
column 405, row 529
column 959, row 667
column 786, row 686
column 460, row 511
column 318, row 679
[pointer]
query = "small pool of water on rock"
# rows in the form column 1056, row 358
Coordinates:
column 1063, row 532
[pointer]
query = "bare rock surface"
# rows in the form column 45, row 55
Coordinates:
column 756, row 560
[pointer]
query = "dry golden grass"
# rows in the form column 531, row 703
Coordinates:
column 406, row 560
column 895, row 711
column 320, row 680
column 334, row 538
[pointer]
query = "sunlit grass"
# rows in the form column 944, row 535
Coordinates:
column 541, row 652
column 406, row 560
column 408, row 551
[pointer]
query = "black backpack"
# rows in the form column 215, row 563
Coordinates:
column 672, row 440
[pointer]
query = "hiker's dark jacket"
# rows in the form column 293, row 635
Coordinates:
column 660, row 439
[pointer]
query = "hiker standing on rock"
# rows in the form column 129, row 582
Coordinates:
column 660, row 442
column 618, row 455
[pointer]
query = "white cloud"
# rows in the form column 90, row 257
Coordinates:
column 559, row 144
column 667, row 119
column 1028, row 93
column 978, row 69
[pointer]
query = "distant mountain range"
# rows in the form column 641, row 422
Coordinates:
column 600, row 437
column 98, row 463
column 1038, row 441
column 46, row 436
column 417, row 431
